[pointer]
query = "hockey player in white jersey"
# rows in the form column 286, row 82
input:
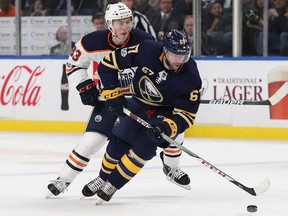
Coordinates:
column 90, row 50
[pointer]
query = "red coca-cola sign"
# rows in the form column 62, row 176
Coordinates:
column 19, row 86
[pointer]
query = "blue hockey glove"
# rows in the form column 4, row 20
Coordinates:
column 154, row 135
column 88, row 92
column 115, row 100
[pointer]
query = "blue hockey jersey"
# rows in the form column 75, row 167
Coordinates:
column 153, row 84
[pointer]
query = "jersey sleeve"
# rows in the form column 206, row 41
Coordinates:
column 77, row 64
column 187, row 102
column 187, row 105
column 116, row 61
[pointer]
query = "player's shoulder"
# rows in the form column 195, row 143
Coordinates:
column 152, row 46
column 96, row 40
column 151, row 49
column 140, row 35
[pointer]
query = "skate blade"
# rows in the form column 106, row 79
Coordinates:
column 99, row 201
column 49, row 195
column 187, row 187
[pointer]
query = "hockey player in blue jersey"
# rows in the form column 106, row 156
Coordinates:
column 166, row 93
column 88, row 52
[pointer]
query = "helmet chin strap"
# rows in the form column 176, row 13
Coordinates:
column 110, row 27
column 115, row 36
column 167, row 63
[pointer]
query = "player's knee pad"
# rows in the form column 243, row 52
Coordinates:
column 90, row 143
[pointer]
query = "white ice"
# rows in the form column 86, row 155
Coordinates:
column 30, row 160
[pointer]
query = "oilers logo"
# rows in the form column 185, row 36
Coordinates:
column 148, row 90
column 98, row 118
column 125, row 77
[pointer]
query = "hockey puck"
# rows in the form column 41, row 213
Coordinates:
column 252, row 208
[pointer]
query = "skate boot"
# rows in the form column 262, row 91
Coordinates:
column 175, row 175
column 57, row 186
column 92, row 187
column 106, row 193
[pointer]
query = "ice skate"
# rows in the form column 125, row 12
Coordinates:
column 92, row 187
column 106, row 193
column 56, row 187
column 176, row 175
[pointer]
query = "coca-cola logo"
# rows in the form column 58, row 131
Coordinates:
column 20, row 86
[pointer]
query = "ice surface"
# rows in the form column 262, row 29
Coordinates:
column 30, row 160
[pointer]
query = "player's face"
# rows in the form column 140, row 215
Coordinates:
column 175, row 60
column 122, row 28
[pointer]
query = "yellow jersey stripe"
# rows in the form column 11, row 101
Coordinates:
column 130, row 165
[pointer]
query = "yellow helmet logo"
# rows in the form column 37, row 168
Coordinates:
column 182, row 42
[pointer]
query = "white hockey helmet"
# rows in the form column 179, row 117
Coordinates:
column 115, row 12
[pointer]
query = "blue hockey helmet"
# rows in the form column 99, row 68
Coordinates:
column 177, row 42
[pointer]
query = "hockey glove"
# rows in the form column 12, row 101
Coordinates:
column 88, row 92
column 168, row 127
column 115, row 100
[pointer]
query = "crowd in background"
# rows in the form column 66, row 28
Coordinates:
column 163, row 15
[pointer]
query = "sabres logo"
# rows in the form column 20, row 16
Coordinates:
column 148, row 90
column 182, row 42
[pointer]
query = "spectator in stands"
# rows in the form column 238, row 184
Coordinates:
column 278, row 29
column 218, row 29
column 83, row 7
column 62, row 47
column 225, row 3
column 7, row 9
column 98, row 21
column 184, row 7
column 145, row 8
column 86, row 7
column 166, row 19
column 140, row 21
column 206, row 3
column 188, row 27
column 37, row 8
column 56, row 7
column 154, row 4
column 252, row 26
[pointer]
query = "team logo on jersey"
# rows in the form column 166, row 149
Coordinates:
column 126, row 76
column 148, row 90
column 98, row 118
column 161, row 77
column 124, row 52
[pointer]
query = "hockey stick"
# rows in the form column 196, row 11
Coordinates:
column 261, row 188
column 274, row 99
